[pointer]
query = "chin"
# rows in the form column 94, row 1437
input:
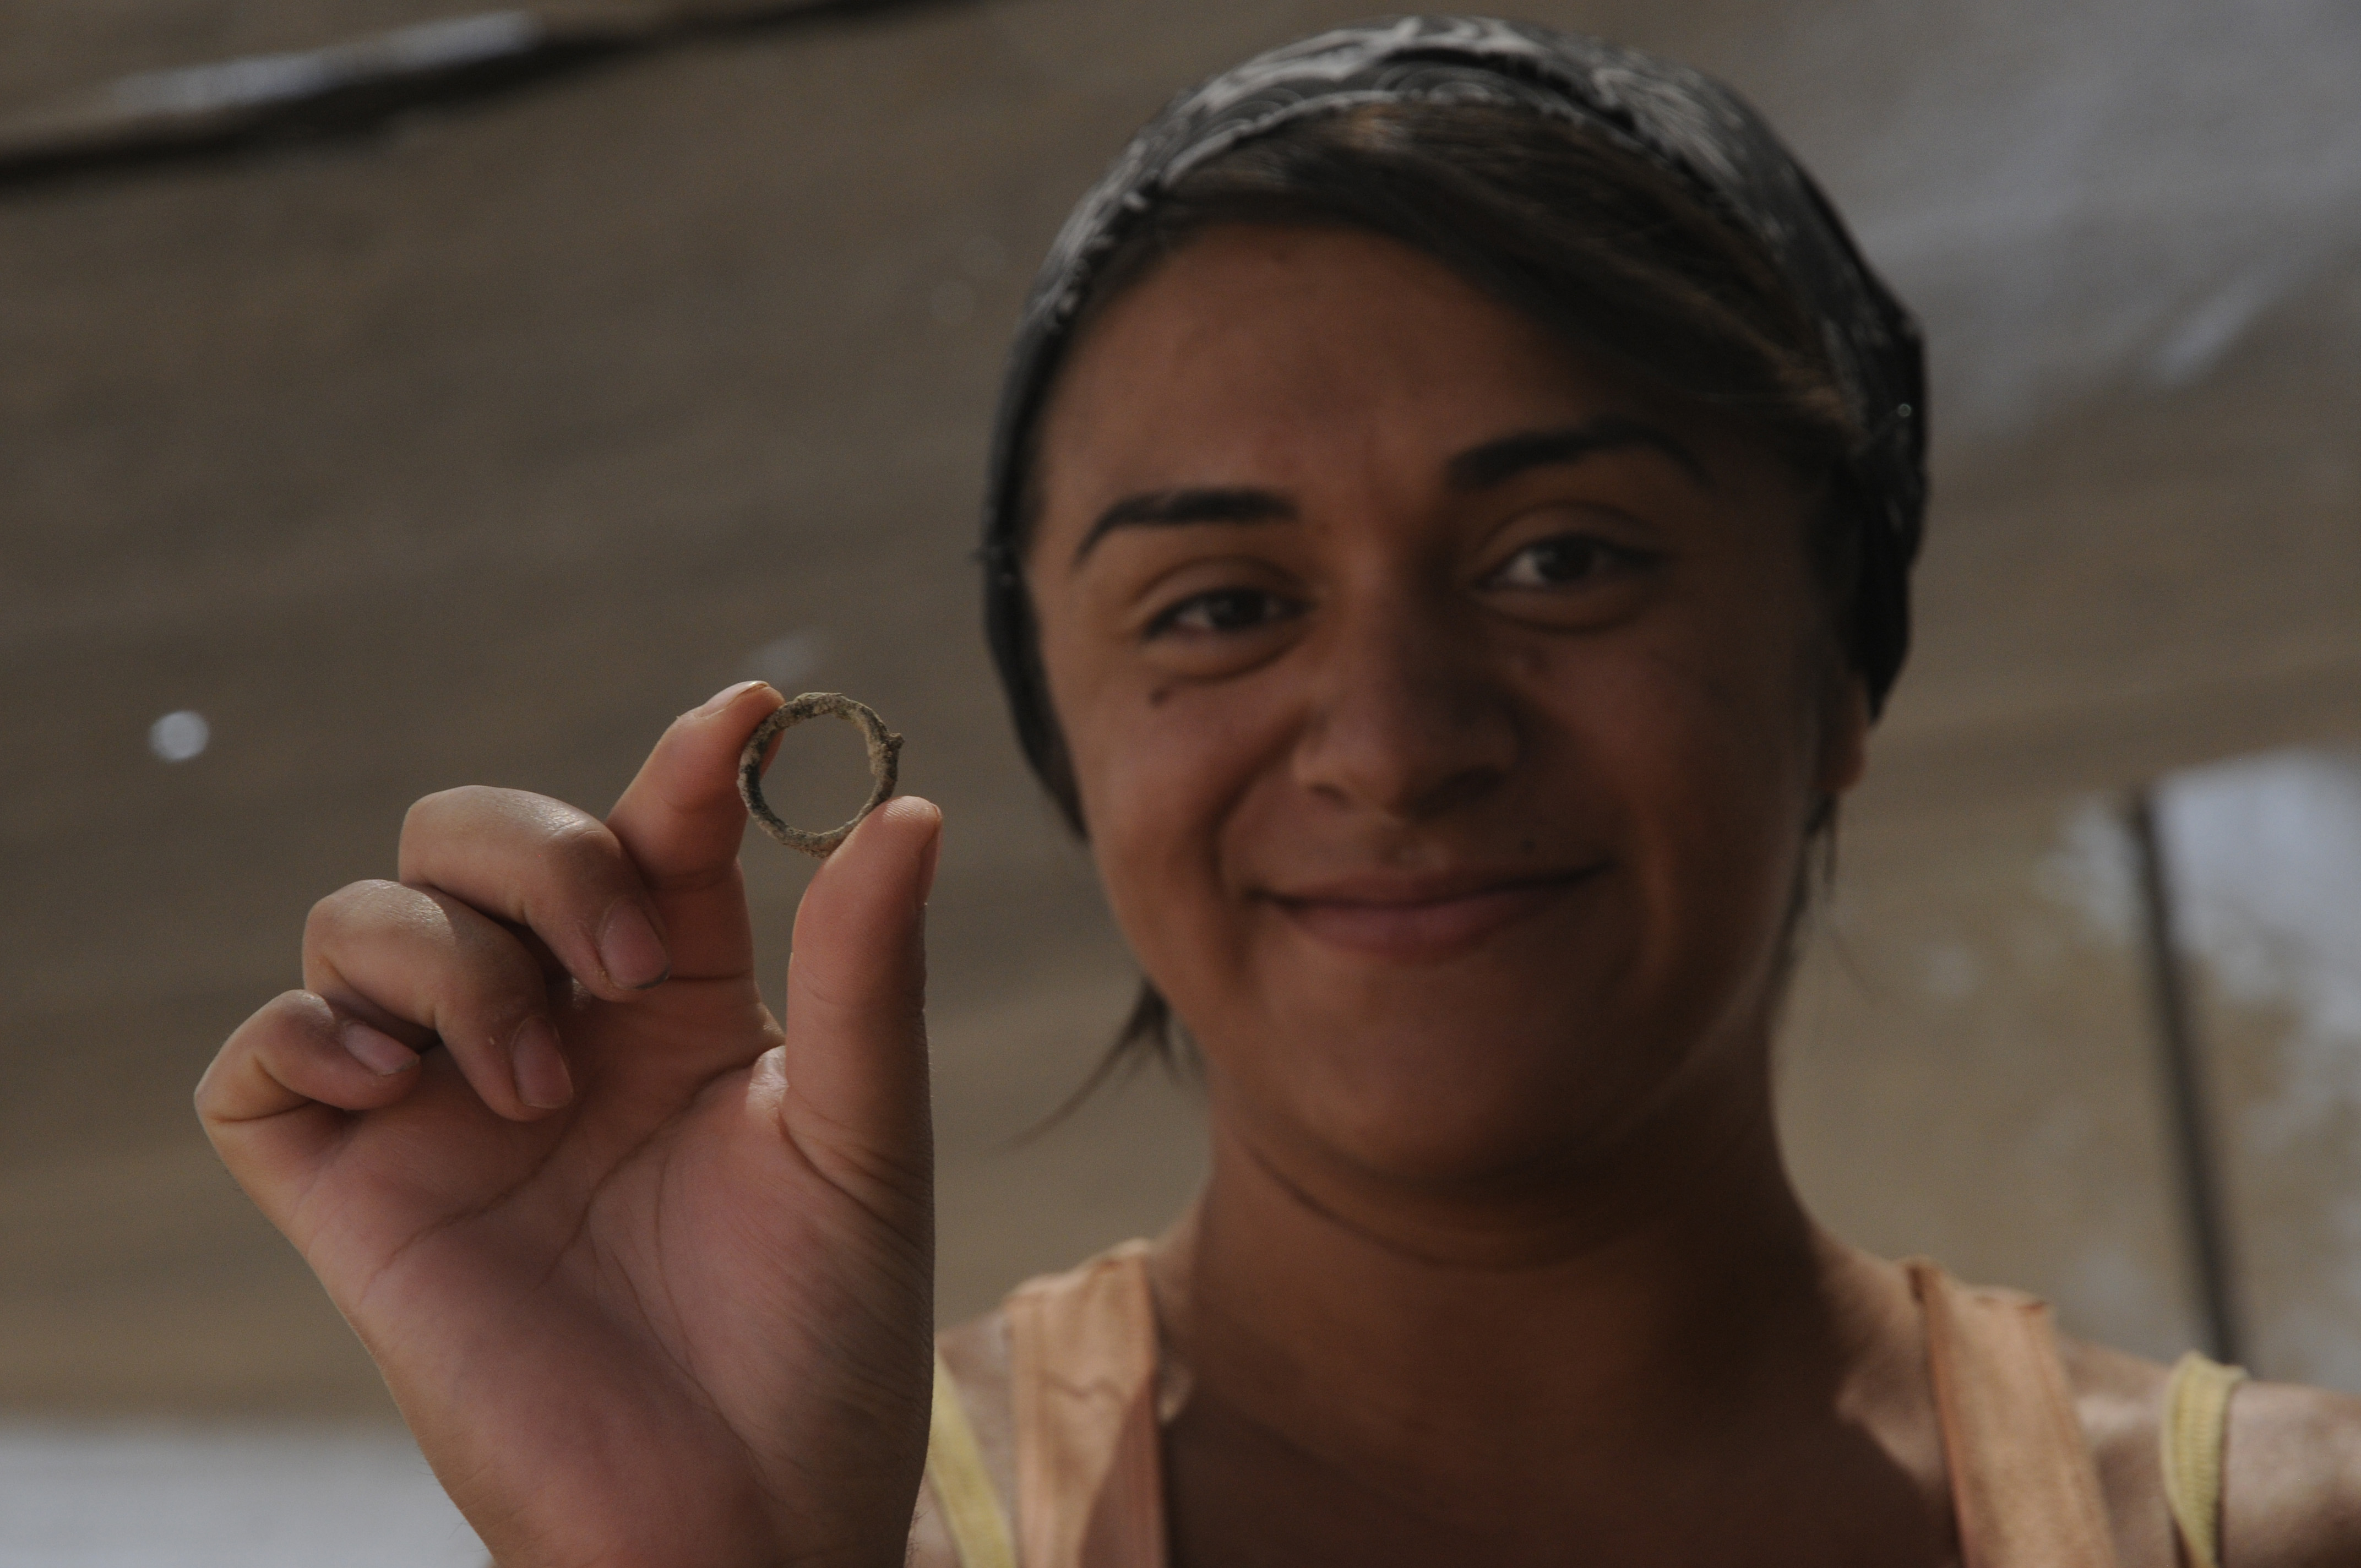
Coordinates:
column 1455, row 1091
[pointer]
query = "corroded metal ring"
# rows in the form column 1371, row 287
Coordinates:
column 884, row 766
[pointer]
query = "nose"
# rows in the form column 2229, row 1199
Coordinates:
column 1405, row 718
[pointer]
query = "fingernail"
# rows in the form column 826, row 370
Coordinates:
column 629, row 949
column 541, row 1080
column 725, row 697
column 926, row 872
column 377, row 1050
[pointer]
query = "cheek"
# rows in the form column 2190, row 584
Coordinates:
column 1711, row 759
column 1159, row 766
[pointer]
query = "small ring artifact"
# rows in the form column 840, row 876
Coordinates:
column 884, row 766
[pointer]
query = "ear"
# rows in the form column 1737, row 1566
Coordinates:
column 1844, row 731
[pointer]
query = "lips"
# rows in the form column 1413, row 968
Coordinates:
column 1407, row 918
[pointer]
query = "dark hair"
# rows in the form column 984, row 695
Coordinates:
column 1596, row 244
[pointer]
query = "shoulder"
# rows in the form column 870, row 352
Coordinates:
column 975, row 1353
column 2292, row 1493
column 2291, row 1486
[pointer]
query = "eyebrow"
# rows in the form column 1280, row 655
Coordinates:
column 1497, row 462
column 1170, row 509
column 1493, row 463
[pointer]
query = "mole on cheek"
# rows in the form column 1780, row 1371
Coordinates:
column 1156, row 698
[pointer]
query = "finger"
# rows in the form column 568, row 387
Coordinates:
column 550, row 867
column 681, row 822
column 855, row 1055
column 408, row 958
column 277, row 1096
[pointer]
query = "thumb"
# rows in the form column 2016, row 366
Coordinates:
column 681, row 822
column 855, row 1056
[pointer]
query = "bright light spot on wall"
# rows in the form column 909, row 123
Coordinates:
column 2262, row 861
column 2265, row 857
column 179, row 735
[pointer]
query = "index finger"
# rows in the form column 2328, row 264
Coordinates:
column 681, row 821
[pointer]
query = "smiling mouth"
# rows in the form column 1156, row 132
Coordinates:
column 1409, row 919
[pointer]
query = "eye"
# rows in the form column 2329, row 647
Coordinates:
column 1219, row 610
column 1564, row 560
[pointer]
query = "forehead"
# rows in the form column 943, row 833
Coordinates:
column 1264, row 350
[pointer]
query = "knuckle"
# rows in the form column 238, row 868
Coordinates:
column 489, row 967
column 459, row 801
column 353, row 903
column 288, row 1014
column 288, row 1018
column 510, row 981
column 582, row 846
column 429, row 811
column 296, row 1009
column 452, row 812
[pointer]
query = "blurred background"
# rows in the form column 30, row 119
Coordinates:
column 471, row 440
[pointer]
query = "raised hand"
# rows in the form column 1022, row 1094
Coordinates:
column 649, row 1274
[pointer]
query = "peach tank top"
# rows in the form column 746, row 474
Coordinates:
column 1089, row 1489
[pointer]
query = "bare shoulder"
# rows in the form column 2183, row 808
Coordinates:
column 2292, row 1498
column 2291, row 1490
column 976, row 1355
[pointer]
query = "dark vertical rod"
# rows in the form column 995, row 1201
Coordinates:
column 2201, row 1183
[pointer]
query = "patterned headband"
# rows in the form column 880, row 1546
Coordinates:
column 1676, row 118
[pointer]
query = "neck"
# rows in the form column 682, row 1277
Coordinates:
column 1622, row 1308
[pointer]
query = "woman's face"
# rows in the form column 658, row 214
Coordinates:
column 1447, row 709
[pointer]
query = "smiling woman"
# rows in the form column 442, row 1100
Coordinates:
column 1516, row 637
column 1448, row 541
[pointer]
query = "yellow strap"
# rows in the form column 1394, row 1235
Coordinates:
column 963, row 1487
column 2195, row 1431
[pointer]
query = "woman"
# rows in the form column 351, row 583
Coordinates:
column 1449, row 539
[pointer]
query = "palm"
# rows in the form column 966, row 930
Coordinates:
column 687, row 1311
